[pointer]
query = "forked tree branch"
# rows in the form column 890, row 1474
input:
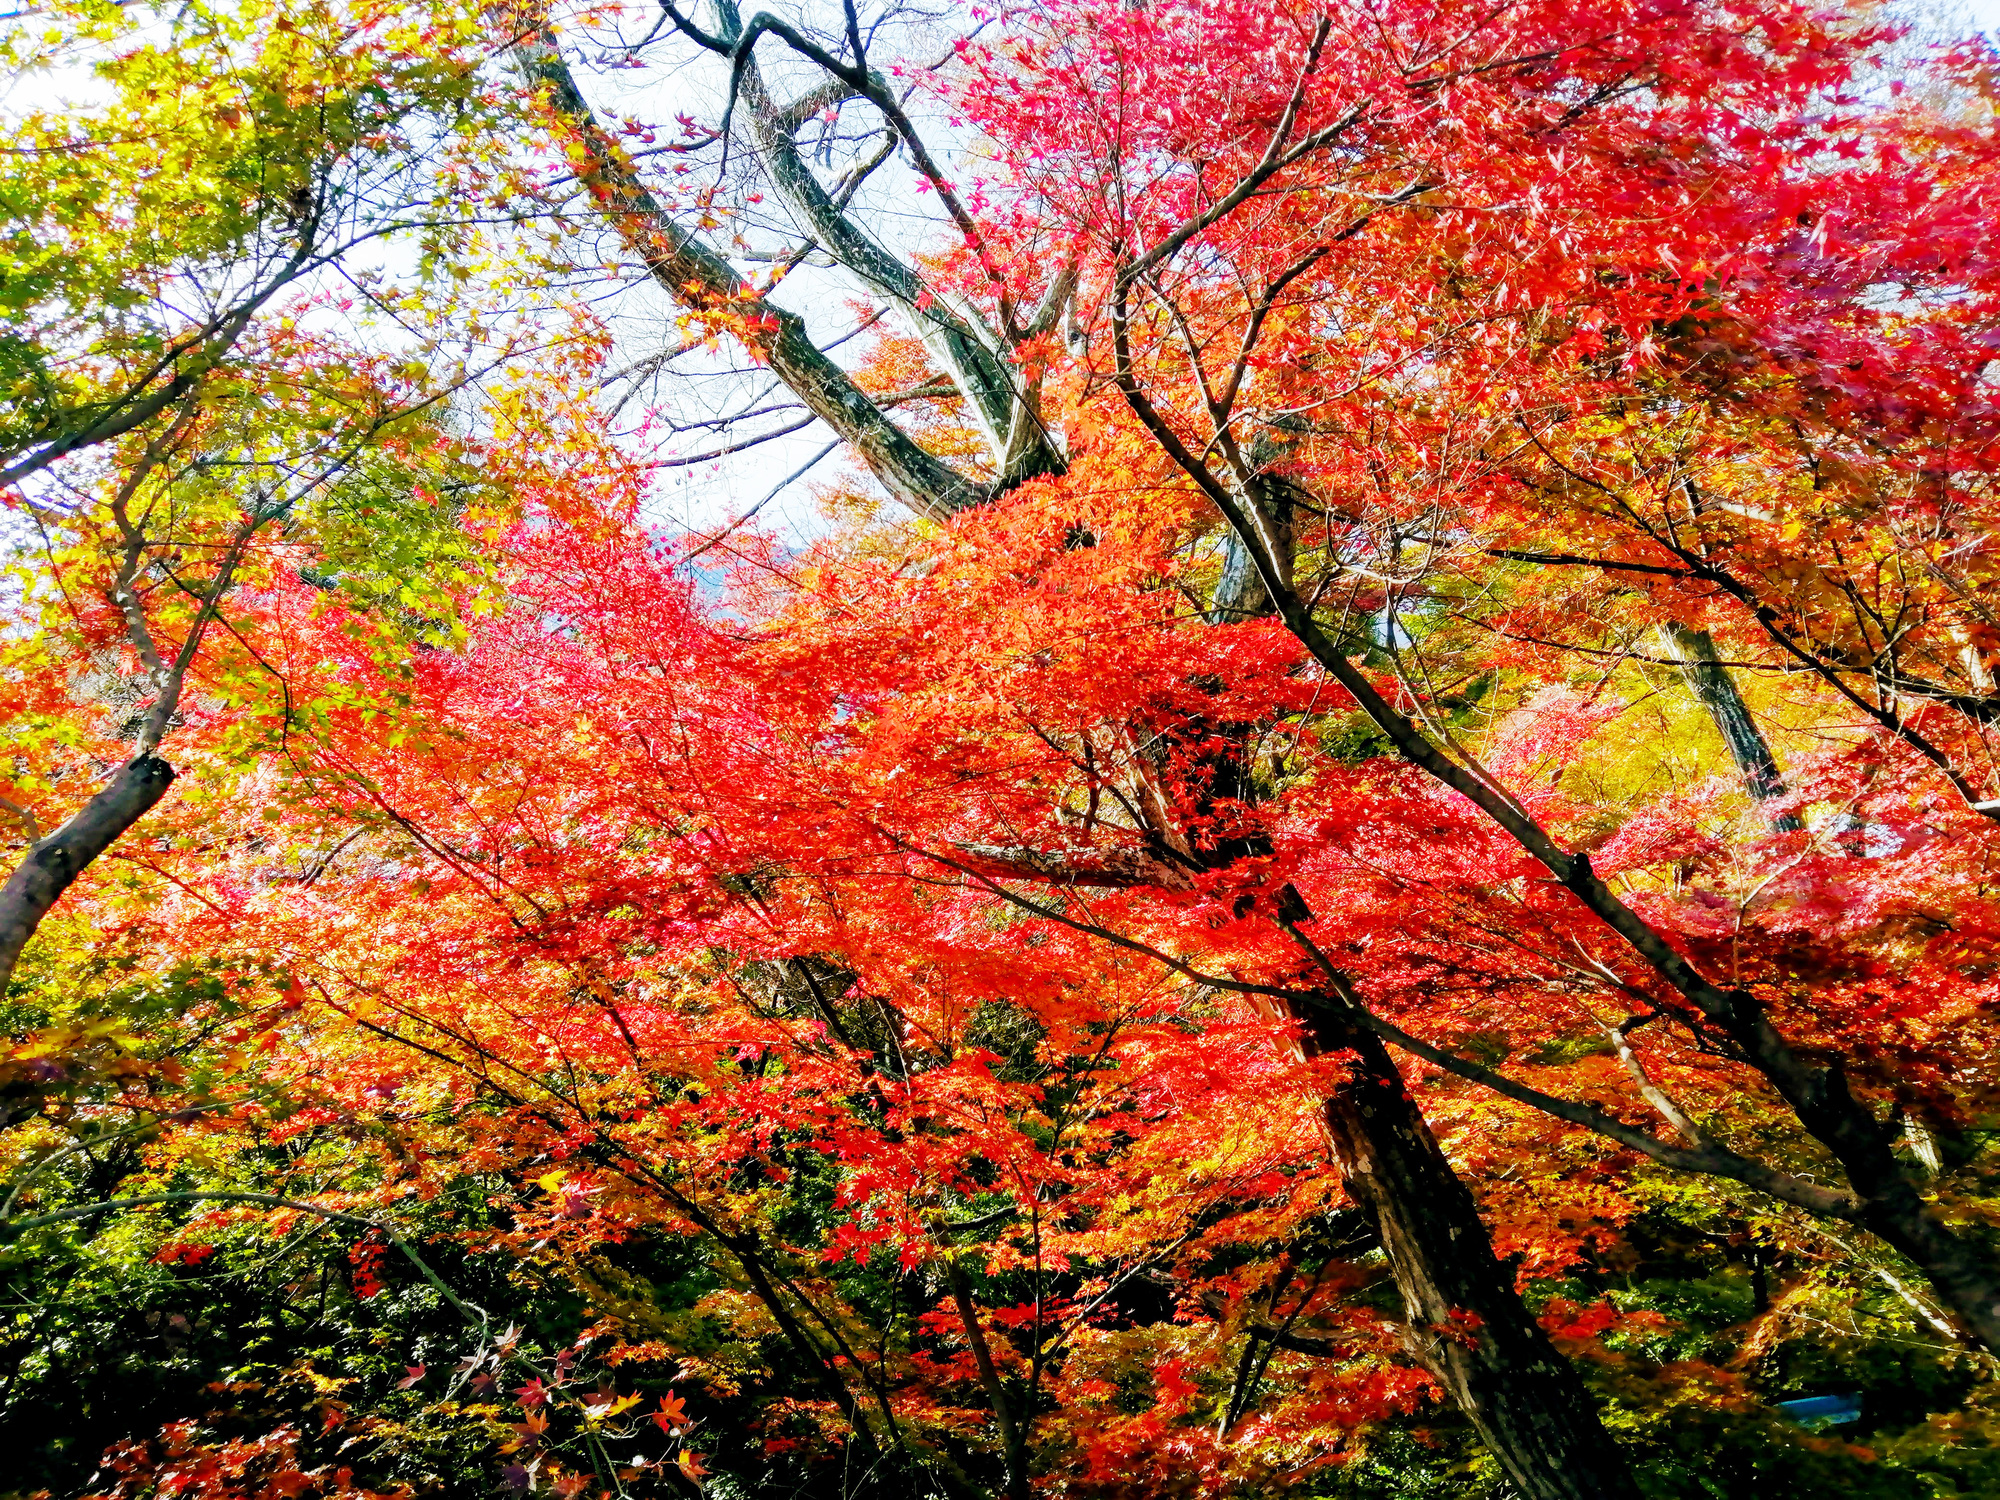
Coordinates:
column 702, row 281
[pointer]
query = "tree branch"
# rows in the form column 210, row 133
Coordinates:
column 703, row 282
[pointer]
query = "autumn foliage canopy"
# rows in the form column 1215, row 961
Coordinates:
column 1345, row 846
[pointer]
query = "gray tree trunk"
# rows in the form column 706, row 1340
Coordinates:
column 52, row 865
column 1709, row 680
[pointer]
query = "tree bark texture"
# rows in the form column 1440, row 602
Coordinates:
column 1020, row 445
column 1465, row 1322
column 1709, row 680
column 700, row 280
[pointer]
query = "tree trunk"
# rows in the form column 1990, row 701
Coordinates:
column 1465, row 1322
column 1013, row 1442
column 1709, row 680
column 54, row 863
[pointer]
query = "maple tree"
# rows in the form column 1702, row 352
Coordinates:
column 935, row 997
column 174, row 250
column 1708, row 264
